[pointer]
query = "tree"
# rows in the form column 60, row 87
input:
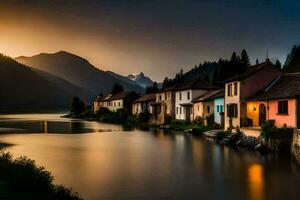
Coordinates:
column 117, row 89
column 256, row 62
column 245, row 58
column 292, row 63
column 233, row 58
column 278, row 64
column 77, row 106
column 152, row 89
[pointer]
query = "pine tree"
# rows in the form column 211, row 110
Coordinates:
column 278, row 64
column 245, row 58
column 233, row 58
column 117, row 89
column 257, row 62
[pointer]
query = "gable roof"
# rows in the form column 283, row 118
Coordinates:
column 196, row 84
column 145, row 98
column 251, row 70
column 110, row 97
column 210, row 95
column 284, row 86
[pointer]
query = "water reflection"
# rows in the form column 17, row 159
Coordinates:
column 108, row 163
column 256, row 182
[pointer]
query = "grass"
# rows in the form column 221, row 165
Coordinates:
column 21, row 179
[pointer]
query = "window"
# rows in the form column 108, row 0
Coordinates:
column 221, row 108
column 229, row 90
column 283, row 107
column 166, row 96
column 177, row 110
column 208, row 109
column 160, row 97
column 115, row 104
column 180, row 110
column 198, row 107
column 188, row 95
column 180, row 96
column 119, row 104
column 235, row 88
column 232, row 110
column 218, row 108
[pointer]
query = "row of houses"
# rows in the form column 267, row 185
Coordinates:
column 246, row 100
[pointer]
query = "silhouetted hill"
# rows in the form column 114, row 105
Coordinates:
column 141, row 79
column 22, row 89
column 76, row 70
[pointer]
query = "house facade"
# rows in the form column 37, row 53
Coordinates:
column 279, row 102
column 243, row 86
column 114, row 102
column 143, row 103
column 205, row 107
column 185, row 95
column 164, row 106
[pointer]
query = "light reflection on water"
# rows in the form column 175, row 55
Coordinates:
column 106, row 162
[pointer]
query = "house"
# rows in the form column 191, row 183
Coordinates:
column 143, row 104
column 279, row 102
column 243, row 86
column 113, row 102
column 209, row 106
column 164, row 106
column 184, row 96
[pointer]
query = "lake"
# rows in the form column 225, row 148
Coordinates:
column 104, row 161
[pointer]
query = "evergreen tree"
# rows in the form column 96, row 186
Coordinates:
column 77, row 106
column 278, row 64
column 292, row 63
column 245, row 58
column 256, row 62
column 233, row 58
column 152, row 89
column 117, row 89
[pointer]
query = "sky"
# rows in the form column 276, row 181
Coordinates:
column 158, row 37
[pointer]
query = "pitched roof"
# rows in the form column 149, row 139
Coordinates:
column 196, row 84
column 251, row 70
column 146, row 97
column 284, row 86
column 110, row 97
column 210, row 95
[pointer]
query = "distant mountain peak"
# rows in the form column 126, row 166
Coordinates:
column 141, row 79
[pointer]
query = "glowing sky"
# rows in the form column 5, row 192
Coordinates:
column 158, row 37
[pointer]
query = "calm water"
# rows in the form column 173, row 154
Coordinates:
column 102, row 161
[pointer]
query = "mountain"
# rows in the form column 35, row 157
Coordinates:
column 23, row 89
column 123, row 78
column 77, row 71
column 141, row 79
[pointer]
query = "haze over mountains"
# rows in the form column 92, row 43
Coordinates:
column 24, row 89
column 50, row 81
column 77, row 71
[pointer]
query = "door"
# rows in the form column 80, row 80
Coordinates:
column 262, row 113
column 188, row 113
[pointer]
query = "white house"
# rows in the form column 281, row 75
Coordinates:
column 113, row 102
column 184, row 96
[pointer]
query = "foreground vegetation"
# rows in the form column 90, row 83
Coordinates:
column 21, row 179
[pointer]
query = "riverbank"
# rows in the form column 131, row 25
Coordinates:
column 20, row 178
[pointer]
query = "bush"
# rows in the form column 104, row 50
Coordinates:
column 200, row 129
column 22, row 179
column 199, row 120
column 144, row 117
column 266, row 128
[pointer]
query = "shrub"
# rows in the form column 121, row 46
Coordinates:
column 199, row 120
column 144, row 116
column 266, row 128
column 22, row 179
column 200, row 129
